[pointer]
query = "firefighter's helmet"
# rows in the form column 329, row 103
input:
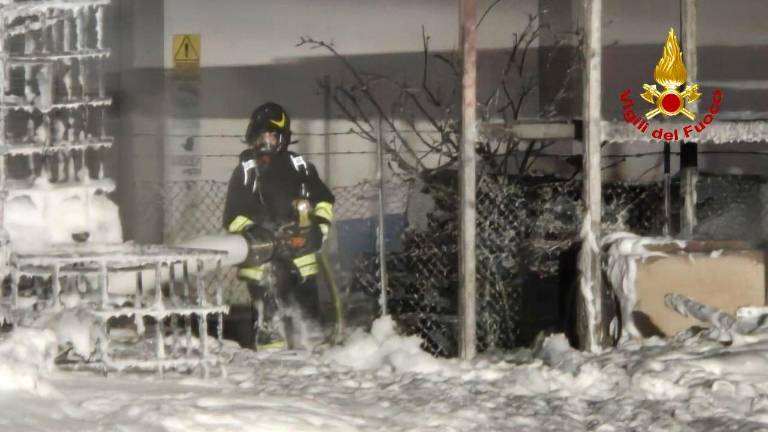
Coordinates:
column 269, row 117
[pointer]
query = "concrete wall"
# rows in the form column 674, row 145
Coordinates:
column 189, row 130
column 137, row 87
column 249, row 56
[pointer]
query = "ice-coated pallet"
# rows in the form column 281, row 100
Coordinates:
column 128, row 289
column 52, row 108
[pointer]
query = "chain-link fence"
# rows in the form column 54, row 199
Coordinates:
column 527, row 230
column 525, row 226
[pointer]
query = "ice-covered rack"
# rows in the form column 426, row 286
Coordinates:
column 61, row 245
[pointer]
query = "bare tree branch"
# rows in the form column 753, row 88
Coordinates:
column 424, row 85
column 371, row 98
column 487, row 11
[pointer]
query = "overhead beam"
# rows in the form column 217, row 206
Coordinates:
column 718, row 132
column 531, row 130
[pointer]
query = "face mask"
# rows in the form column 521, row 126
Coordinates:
column 268, row 142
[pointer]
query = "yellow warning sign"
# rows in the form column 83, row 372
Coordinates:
column 186, row 56
column 186, row 48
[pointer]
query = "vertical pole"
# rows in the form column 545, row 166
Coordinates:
column 104, row 285
column 667, row 230
column 5, row 79
column 688, row 164
column 380, row 231
column 591, row 321
column 187, row 300
column 202, row 317
column 219, row 302
column 327, row 175
column 690, row 56
column 56, row 286
column 467, row 280
column 138, row 303
column 159, row 325
column 174, row 303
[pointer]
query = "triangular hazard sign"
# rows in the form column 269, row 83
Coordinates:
column 187, row 51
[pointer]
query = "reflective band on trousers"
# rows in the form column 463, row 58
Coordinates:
column 239, row 223
column 306, row 264
column 252, row 273
column 324, row 210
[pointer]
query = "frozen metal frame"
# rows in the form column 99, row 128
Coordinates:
column 63, row 48
column 168, row 306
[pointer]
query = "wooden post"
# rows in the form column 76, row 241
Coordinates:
column 467, row 289
column 689, row 170
column 592, row 334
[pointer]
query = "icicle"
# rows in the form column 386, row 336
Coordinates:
column 29, row 93
column 174, row 303
column 83, row 75
column 100, row 27
column 101, row 169
column 31, row 162
column 56, row 286
column 43, row 32
column 8, row 73
column 45, row 171
column 158, row 288
column 62, row 169
column 80, row 29
column 219, row 302
column 102, row 89
column 85, row 174
column 42, row 134
column 67, row 78
column 138, row 304
column 71, row 128
column 30, row 130
column 187, row 318
column 45, row 86
column 103, row 285
column 55, row 36
column 15, row 277
column 202, row 317
column 71, row 173
column 159, row 339
column 103, row 126
column 67, row 28
column 58, row 131
column 29, row 44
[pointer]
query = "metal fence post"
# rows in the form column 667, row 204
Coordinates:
column 380, row 231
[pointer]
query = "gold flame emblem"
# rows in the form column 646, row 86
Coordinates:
column 670, row 73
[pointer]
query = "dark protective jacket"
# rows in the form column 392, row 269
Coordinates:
column 262, row 192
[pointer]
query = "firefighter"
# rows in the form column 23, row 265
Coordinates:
column 264, row 191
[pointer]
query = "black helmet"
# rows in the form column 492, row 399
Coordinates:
column 270, row 117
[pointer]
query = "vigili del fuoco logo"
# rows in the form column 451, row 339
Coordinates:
column 671, row 98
